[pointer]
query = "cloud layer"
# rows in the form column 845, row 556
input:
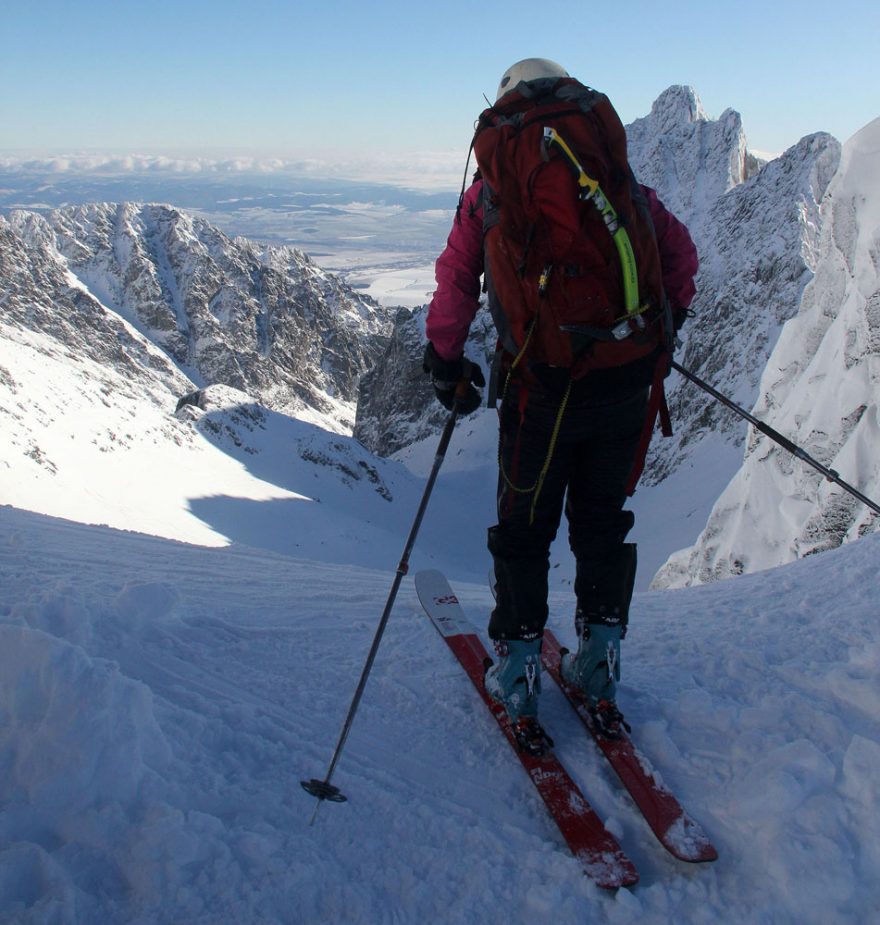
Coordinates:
column 425, row 170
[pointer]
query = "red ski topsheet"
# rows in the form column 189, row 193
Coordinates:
column 599, row 853
column 679, row 834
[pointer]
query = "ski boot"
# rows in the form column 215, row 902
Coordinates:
column 514, row 681
column 595, row 670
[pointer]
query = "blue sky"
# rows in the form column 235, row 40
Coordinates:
column 332, row 75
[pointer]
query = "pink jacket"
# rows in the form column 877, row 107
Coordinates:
column 460, row 267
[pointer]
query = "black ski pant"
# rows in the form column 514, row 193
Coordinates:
column 586, row 476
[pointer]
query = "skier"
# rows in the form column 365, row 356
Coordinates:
column 566, row 442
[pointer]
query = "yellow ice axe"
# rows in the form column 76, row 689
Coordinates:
column 590, row 191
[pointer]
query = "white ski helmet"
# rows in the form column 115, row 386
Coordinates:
column 529, row 69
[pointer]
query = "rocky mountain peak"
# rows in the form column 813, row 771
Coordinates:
column 260, row 319
column 818, row 387
column 676, row 106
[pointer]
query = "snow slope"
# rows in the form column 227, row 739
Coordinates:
column 90, row 429
column 159, row 703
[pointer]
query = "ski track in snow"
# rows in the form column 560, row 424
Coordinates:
column 160, row 703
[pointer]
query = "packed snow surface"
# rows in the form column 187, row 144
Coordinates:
column 159, row 703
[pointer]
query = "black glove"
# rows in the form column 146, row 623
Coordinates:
column 446, row 375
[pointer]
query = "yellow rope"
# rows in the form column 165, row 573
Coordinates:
column 553, row 438
column 542, row 475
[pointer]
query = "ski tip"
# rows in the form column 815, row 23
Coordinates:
column 705, row 854
column 686, row 840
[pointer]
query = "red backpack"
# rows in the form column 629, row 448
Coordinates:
column 572, row 266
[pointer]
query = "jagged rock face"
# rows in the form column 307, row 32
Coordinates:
column 690, row 159
column 756, row 235
column 820, row 390
column 50, row 323
column 395, row 394
column 757, row 248
column 262, row 320
column 397, row 405
column 40, row 295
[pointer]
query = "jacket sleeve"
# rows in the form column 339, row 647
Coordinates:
column 678, row 255
column 458, row 271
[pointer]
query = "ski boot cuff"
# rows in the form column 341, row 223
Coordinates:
column 514, row 680
column 595, row 668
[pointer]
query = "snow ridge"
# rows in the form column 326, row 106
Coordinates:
column 819, row 388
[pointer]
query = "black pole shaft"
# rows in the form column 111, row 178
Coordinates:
column 784, row 442
column 322, row 789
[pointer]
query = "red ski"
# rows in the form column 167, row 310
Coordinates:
column 675, row 829
column 597, row 850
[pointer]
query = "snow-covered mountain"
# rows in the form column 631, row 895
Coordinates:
column 265, row 320
column 758, row 253
column 172, row 305
column 690, row 158
column 98, row 336
column 91, row 423
column 820, row 388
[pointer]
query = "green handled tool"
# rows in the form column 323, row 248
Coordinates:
column 590, row 191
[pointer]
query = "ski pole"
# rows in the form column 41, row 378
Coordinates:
column 830, row 474
column 323, row 789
